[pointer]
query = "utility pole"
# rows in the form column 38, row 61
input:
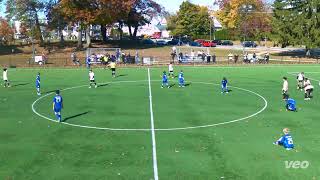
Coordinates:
column 245, row 8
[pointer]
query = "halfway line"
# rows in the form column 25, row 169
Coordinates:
column 154, row 146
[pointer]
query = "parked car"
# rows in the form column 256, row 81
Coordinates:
column 147, row 42
column 195, row 44
column 249, row 44
column 208, row 44
column 227, row 43
column 174, row 42
column 200, row 41
column 161, row 43
column 217, row 42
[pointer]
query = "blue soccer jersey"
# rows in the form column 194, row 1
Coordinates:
column 38, row 81
column 164, row 78
column 291, row 104
column 181, row 78
column 286, row 141
column 224, row 83
column 57, row 101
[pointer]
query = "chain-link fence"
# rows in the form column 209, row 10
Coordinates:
column 12, row 61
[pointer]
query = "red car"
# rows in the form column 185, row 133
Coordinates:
column 208, row 44
column 200, row 41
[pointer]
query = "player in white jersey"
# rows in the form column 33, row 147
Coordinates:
column 308, row 89
column 6, row 82
column 92, row 80
column 171, row 70
column 300, row 79
column 285, row 88
column 306, row 82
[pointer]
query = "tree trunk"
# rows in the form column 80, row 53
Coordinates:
column 79, row 45
column 88, row 37
column 61, row 37
column 135, row 32
column 39, row 29
column 120, row 30
column 103, row 32
column 130, row 31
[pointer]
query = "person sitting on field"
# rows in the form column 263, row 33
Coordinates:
column 291, row 105
column 286, row 140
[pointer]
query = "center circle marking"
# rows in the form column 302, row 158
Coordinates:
column 156, row 129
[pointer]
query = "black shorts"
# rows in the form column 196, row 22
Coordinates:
column 171, row 72
column 93, row 81
column 113, row 69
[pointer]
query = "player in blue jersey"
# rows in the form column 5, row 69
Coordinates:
column 224, row 85
column 57, row 105
column 286, row 140
column 181, row 79
column 165, row 80
column 38, row 84
column 291, row 104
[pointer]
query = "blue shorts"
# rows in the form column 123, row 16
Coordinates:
column 57, row 110
column 38, row 86
column 181, row 81
column 164, row 81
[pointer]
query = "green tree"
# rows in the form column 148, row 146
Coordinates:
column 27, row 11
column 191, row 20
column 141, row 13
column 297, row 23
column 55, row 18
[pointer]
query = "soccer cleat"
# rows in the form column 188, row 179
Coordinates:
column 161, row 86
column 95, row 86
column 89, row 86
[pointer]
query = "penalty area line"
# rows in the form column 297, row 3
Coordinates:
column 153, row 134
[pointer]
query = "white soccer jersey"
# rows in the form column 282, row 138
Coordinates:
column 300, row 77
column 91, row 76
column 285, row 86
column 5, row 75
column 306, row 83
column 170, row 67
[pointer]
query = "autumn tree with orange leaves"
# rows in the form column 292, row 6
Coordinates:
column 246, row 18
column 6, row 32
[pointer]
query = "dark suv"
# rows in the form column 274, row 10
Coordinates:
column 249, row 44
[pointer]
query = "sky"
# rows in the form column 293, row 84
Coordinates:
column 170, row 5
column 173, row 5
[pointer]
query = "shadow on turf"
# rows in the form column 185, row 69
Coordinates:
column 75, row 116
column 21, row 84
column 102, row 85
column 122, row 75
column 50, row 91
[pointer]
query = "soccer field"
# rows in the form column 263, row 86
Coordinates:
column 130, row 128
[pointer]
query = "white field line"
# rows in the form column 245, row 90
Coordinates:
column 160, row 129
column 153, row 133
column 223, row 123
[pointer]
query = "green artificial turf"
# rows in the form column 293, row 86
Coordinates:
column 33, row 147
